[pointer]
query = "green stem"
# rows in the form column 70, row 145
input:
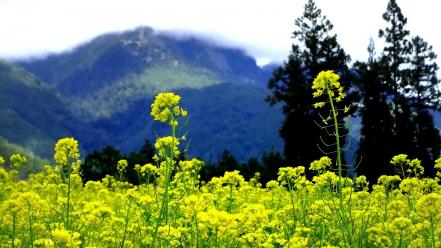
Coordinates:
column 230, row 199
column 292, row 204
column 126, row 224
column 68, row 203
column 168, row 171
column 337, row 140
column 14, row 219
column 432, row 225
column 31, row 236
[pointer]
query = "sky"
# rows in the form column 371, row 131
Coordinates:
column 263, row 28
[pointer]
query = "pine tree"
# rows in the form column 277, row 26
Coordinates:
column 395, row 58
column 316, row 50
column 397, row 50
column 410, row 74
column 374, row 151
column 424, row 95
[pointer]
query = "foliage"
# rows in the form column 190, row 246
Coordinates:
column 98, row 164
column 315, row 49
column 376, row 137
column 55, row 209
column 401, row 87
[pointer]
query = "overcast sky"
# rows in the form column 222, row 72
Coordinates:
column 262, row 28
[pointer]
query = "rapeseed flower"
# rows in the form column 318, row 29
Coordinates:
column 17, row 159
column 167, row 147
column 327, row 82
column 166, row 108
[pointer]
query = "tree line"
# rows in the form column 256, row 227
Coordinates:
column 101, row 163
column 395, row 92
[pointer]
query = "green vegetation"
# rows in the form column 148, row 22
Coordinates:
column 173, row 208
column 32, row 115
column 33, row 164
column 119, row 96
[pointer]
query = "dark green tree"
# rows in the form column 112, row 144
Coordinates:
column 396, row 52
column 271, row 162
column 315, row 49
column 249, row 169
column 142, row 157
column 374, row 151
column 98, row 164
column 410, row 75
column 394, row 59
column 424, row 95
column 227, row 162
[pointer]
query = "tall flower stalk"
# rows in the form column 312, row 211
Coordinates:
column 67, row 158
column 166, row 109
column 326, row 83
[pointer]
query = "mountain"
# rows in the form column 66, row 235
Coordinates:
column 223, row 116
column 106, row 86
column 114, row 70
column 31, row 113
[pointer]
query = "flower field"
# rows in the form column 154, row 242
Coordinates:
column 172, row 208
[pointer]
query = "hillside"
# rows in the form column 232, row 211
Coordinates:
column 31, row 113
column 223, row 116
column 107, row 86
column 114, row 70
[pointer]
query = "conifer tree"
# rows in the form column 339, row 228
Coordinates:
column 374, row 151
column 424, row 95
column 314, row 49
column 394, row 59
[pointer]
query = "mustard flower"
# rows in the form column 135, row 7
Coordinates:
column 415, row 168
column 65, row 149
column 272, row 184
column 327, row 82
column 122, row 165
column 321, row 165
column 361, row 183
column 17, row 159
column 297, row 242
column 167, row 146
column 438, row 167
column 429, row 205
column 64, row 237
column 166, row 108
column 170, row 234
column 146, row 169
column 2, row 160
column 44, row 243
column 193, row 165
column 233, row 178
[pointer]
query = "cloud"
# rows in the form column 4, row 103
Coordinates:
column 262, row 28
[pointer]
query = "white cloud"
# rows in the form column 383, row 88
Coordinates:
column 262, row 28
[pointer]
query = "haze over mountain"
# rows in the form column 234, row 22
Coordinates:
column 101, row 92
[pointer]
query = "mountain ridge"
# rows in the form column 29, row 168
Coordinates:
column 108, row 84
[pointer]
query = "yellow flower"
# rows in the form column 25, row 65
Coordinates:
column 63, row 237
column 429, row 205
column 122, row 165
column 399, row 160
column 65, row 149
column 321, row 165
column 167, row 146
column 2, row 160
column 272, row 184
column 44, row 243
column 326, row 82
column 166, row 108
column 297, row 242
column 17, row 159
